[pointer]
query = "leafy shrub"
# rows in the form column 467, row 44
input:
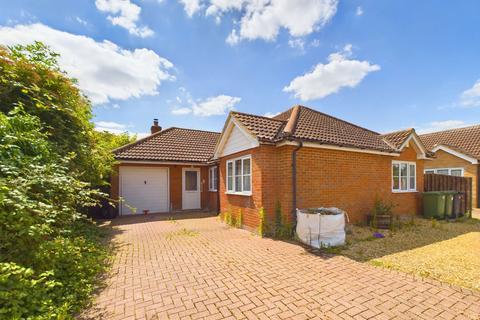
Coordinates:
column 50, row 157
column 22, row 293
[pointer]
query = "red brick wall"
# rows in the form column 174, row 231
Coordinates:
column 208, row 199
column 348, row 180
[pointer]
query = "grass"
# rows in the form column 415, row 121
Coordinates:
column 446, row 251
column 182, row 232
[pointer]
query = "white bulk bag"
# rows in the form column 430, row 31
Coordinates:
column 321, row 230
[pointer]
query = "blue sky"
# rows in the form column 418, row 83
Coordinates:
column 384, row 65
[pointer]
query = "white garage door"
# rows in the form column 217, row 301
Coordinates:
column 143, row 188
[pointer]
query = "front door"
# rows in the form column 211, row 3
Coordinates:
column 191, row 188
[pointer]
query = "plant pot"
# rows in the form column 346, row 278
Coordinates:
column 381, row 221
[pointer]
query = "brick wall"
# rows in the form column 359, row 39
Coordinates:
column 348, row 180
column 446, row 160
column 208, row 199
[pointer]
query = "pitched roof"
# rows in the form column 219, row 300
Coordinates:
column 313, row 126
column 172, row 144
column 266, row 129
column 464, row 140
column 397, row 138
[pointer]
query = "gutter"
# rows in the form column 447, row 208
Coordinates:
column 294, row 183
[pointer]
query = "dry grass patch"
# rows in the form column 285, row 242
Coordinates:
column 446, row 251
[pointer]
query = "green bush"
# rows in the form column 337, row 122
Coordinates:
column 51, row 255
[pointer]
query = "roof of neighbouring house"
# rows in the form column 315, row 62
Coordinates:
column 464, row 140
column 172, row 144
column 312, row 126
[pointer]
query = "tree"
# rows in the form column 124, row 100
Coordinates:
column 31, row 78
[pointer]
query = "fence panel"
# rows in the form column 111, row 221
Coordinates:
column 441, row 182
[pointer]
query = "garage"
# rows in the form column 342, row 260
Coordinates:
column 144, row 188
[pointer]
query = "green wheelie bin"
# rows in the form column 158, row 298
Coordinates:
column 449, row 198
column 434, row 204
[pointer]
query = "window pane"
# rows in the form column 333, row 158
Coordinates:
column 246, row 166
column 412, row 183
column 238, row 175
column 412, row 170
column 215, row 178
column 191, row 180
column 246, row 183
column 395, row 170
column 230, row 176
column 396, row 183
column 429, row 171
column 403, row 170
column 238, row 183
column 403, row 183
column 442, row 171
column 456, row 172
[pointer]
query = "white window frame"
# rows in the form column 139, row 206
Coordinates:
column 435, row 170
column 408, row 163
column 234, row 174
column 212, row 179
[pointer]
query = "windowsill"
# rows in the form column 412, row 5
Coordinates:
column 404, row 191
column 211, row 190
column 245, row 194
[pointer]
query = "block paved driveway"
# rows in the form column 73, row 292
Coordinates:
column 197, row 268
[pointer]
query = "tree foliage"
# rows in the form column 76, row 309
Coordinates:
column 31, row 78
column 51, row 161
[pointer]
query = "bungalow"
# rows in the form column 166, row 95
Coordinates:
column 169, row 170
column 300, row 158
column 456, row 152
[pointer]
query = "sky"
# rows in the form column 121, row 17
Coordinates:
column 384, row 65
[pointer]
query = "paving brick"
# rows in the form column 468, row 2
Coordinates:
column 226, row 273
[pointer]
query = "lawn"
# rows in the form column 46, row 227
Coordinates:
column 446, row 251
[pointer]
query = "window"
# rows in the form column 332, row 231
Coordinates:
column 447, row 171
column 191, row 181
column 212, row 179
column 404, row 177
column 239, row 173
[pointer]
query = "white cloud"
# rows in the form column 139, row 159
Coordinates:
column 359, row 11
column 104, row 70
column 81, row 21
column 191, row 6
column 315, row 43
column 233, row 38
column 215, row 106
column 124, row 14
column 271, row 114
column 181, row 111
column 110, row 126
column 471, row 97
column 117, row 128
column 297, row 43
column 325, row 79
column 212, row 106
column 441, row 125
column 263, row 19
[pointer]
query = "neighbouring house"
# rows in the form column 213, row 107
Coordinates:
column 457, row 152
column 300, row 158
column 169, row 170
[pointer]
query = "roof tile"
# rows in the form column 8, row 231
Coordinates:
column 465, row 140
column 172, row 144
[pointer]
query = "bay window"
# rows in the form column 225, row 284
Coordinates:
column 239, row 172
column 404, row 176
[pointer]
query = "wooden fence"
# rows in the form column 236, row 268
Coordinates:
column 441, row 182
